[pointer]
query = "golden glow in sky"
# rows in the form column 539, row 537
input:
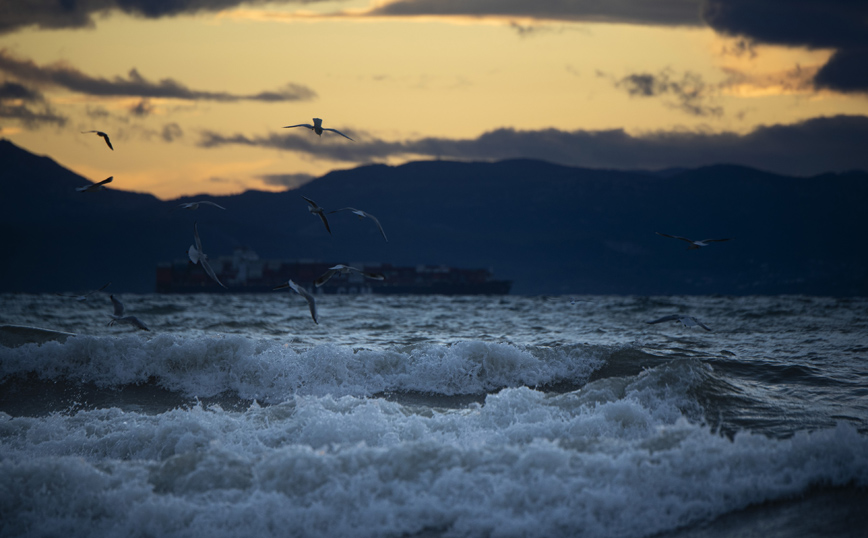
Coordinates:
column 381, row 81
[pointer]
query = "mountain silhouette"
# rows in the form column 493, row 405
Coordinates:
column 550, row 229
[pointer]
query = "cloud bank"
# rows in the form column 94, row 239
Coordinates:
column 28, row 106
column 810, row 147
column 667, row 13
column 66, row 14
column 818, row 24
column 133, row 85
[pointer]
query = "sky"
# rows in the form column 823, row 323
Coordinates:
column 195, row 94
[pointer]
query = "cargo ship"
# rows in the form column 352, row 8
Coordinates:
column 245, row 272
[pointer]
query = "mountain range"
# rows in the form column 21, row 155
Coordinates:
column 550, row 229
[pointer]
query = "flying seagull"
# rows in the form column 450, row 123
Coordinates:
column 84, row 296
column 95, row 186
column 317, row 210
column 686, row 321
column 695, row 244
column 362, row 215
column 344, row 269
column 311, row 303
column 192, row 206
column 318, row 128
column 197, row 256
column 119, row 317
column 104, row 137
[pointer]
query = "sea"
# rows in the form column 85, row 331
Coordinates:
column 432, row 416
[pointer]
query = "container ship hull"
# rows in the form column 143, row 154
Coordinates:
column 244, row 272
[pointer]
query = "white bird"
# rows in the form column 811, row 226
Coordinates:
column 95, row 186
column 192, row 206
column 104, row 136
column 686, row 321
column 317, row 210
column 695, row 244
column 311, row 303
column 197, row 256
column 119, row 317
column 318, row 128
column 363, row 214
column 344, row 269
column 85, row 296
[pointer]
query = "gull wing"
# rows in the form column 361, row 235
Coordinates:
column 377, row 222
column 322, row 217
column 340, row 133
column 695, row 322
column 716, row 240
column 198, row 241
column 671, row 317
column 108, row 143
column 106, row 180
column 375, row 276
column 134, row 321
column 325, row 277
column 309, row 126
column 313, row 204
column 119, row 306
column 363, row 214
column 212, row 203
column 675, row 237
column 311, row 303
column 207, row 267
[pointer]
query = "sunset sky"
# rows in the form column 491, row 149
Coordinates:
column 194, row 93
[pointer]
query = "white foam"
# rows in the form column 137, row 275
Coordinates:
column 525, row 463
column 271, row 371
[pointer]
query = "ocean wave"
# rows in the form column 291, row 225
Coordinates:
column 270, row 371
column 609, row 460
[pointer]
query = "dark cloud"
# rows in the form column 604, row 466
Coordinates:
column 27, row 105
column 833, row 24
column 810, row 147
column 56, row 14
column 690, row 91
column 290, row 181
column 669, row 13
column 142, row 108
column 134, row 85
column 171, row 132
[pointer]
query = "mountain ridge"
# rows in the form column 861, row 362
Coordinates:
column 552, row 229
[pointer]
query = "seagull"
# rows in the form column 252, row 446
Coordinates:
column 695, row 244
column 192, row 206
column 95, row 186
column 85, row 296
column 362, row 215
column 318, row 128
column 344, row 269
column 686, row 321
column 104, row 136
column 311, row 303
column 119, row 317
column 197, row 256
column 317, row 210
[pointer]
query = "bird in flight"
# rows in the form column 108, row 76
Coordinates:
column 95, row 186
column 197, row 256
column 311, row 303
column 119, row 317
column 104, row 137
column 363, row 214
column 344, row 269
column 686, row 321
column 317, row 210
column 695, row 244
column 84, row 296
column 318, row 128
column 192, row 206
